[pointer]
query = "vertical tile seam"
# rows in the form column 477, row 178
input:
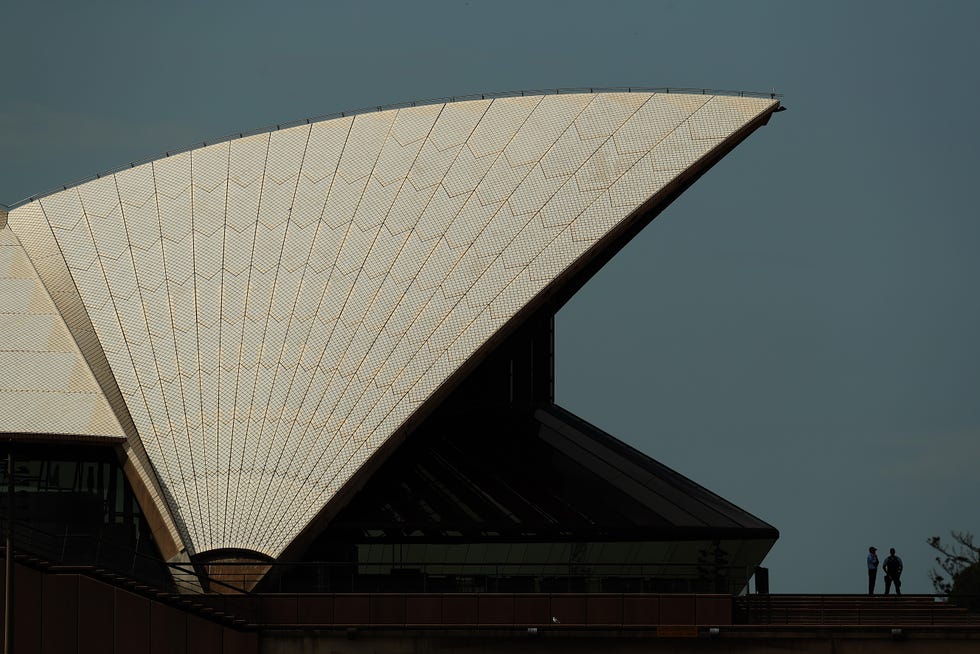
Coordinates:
column 241, row 344
column 177, row 509
column 323, row 292
column 340, row 249
column 265, row 330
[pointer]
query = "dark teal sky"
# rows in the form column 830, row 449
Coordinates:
column 800, row 332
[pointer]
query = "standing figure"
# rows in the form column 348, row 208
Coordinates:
column 872, row 569
column 893, row 572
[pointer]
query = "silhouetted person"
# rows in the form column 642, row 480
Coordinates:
column 872, row 569
column 893, row 572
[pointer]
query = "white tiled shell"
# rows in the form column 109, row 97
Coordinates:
column 46, row 386
column 273, row 308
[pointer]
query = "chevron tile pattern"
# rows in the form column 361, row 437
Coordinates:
column 275, row 307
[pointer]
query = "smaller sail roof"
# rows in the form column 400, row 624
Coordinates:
column 46, row 387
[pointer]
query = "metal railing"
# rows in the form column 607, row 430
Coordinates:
column 84, row 550
column 397, row 105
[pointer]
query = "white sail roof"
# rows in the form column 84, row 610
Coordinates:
column 273, row 308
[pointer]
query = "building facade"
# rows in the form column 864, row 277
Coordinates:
column 320, row 356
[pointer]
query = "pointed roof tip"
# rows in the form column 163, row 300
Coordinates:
column 777, row 107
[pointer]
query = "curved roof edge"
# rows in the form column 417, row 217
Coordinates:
column 385, row 107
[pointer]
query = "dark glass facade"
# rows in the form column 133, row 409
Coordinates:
column 73, row 505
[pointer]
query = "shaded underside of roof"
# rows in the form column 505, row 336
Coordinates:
column 532, row 475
